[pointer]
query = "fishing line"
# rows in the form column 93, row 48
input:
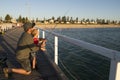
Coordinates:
column 52, row 29
column 52, row 47
column 83, row 59
column 63, row 15
column 61, row 62
column 55, row 26
column 67, row 70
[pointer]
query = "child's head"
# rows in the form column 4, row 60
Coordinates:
column 34, row 32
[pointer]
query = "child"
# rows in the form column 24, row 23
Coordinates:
column 39, row 42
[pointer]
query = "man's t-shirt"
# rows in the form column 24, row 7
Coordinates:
column 25, row 45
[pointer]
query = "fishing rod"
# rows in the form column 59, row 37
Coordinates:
column 67, row 70
column 55, row 26
column 56, row 23
column 63, row 15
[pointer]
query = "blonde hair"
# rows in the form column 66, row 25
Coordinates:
column 34, row 32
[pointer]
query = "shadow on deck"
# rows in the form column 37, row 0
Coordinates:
column 47, row 70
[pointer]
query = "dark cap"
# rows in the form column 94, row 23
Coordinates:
column 28, row 25
column 33, row 24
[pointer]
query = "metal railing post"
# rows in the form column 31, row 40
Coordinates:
column 112, row 72
column 38, row 33
column 43, row 34
column 118, row 71
column 56, row 50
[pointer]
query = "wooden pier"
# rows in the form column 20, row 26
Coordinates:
column 46, row 69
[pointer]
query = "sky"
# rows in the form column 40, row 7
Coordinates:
column 92, row 9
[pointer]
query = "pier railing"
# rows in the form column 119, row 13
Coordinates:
column 114, row 73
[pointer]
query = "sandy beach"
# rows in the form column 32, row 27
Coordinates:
column 6, row 25
column 76, row 26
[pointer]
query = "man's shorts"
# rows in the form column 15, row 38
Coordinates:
column 26, row 64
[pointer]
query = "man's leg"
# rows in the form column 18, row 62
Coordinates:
column 15, row 70
column 20, row 71
column 25, row 70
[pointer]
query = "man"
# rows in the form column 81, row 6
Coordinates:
column 25, row 45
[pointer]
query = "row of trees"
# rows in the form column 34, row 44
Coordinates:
column 62, row 20
column 8, row 19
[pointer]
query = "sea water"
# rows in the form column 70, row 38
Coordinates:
column 82, row 64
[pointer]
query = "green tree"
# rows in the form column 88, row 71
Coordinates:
column 87, row 21
column 59, row 19
column 114, row 22
column 103, row 21
column 26, row 19
column 99, row 21
column 71, row 20
column 23, row 20
column 8, row 18
column 20, row 19
column 53, row 18
column 0, row 19
column 68, row 18
column 107, row 21
column 76, row 19
column 64, row 19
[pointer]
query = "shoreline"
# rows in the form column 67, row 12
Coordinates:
column 45, row 26
column 50, row 26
